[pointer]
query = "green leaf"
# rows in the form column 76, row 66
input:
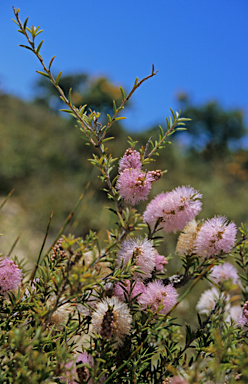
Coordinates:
column 51, row 61
column 36, row 34
column 114, row 106
column 122, row 93
column 43, row 74
column 25, row 23
column 25, row 46
column 15, row 22
column 109, row 118
column 120, row 118
column 39, row 46
column 108, row 138
column 173, row 114
column 58, row 77
column 136, row 81
column 67, row 111
column 69, row 96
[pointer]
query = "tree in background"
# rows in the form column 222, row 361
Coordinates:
column 97, row 92
column 213, row 131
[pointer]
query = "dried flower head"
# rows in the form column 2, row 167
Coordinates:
column 186, row 240
column 155, row 294
column 141, row 251
column 223, row 272
column 131, row 159
column 58, row 252
column 134, row 185
column 175, row 209
column 112, row 319
column 123, row 289
column 10, row 276
column 215, row 236
column 60, row 315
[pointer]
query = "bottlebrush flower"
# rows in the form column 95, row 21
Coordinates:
column 10, row 276
column 208, row 300
column 131, row 159
column 134, row 185
column 142, row 252
column 223, row 272
column 175, row 208
column 122, row 290
column 215, row 236
column 186, row 240
column 155, row 294
column 112, row 319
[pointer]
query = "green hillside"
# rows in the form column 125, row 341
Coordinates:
column 45, row 159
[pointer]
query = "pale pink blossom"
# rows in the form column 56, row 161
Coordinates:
column 131, row 159
column 156, row 294
column 134, row 185
column 141, row 251
column 160, row 262
column 215, row 236
column 75, row 372
column 122, row 290
column 10, row 276
column 175, row 209
column 112, row 319
column 221, row 273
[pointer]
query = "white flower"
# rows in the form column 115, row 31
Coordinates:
column 112, row 319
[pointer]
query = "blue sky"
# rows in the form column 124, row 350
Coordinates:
column 200, row 47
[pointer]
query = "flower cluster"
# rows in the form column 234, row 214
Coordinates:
column 133, row 184
column 173, row 209
column 10, row 276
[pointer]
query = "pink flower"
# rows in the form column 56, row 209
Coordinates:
column 155, row 294
column 221, row 273
column 78, row 373
column 215, row 236
column 160, row 262
column 122, row 290
column 10, row 276
column 175, row 208
column 134, row 185
column 131, row 159
column 142, row 252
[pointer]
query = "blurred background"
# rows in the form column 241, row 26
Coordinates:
column 200, row 50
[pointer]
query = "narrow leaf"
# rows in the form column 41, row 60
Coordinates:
column 58, row 77
column 122, row 93
column 25, row 46
column 43, row 74
column 25, row 23
column 114, row 106
column 69, row 96
column 39, row 46
column 38, row 32
column 51, row 62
